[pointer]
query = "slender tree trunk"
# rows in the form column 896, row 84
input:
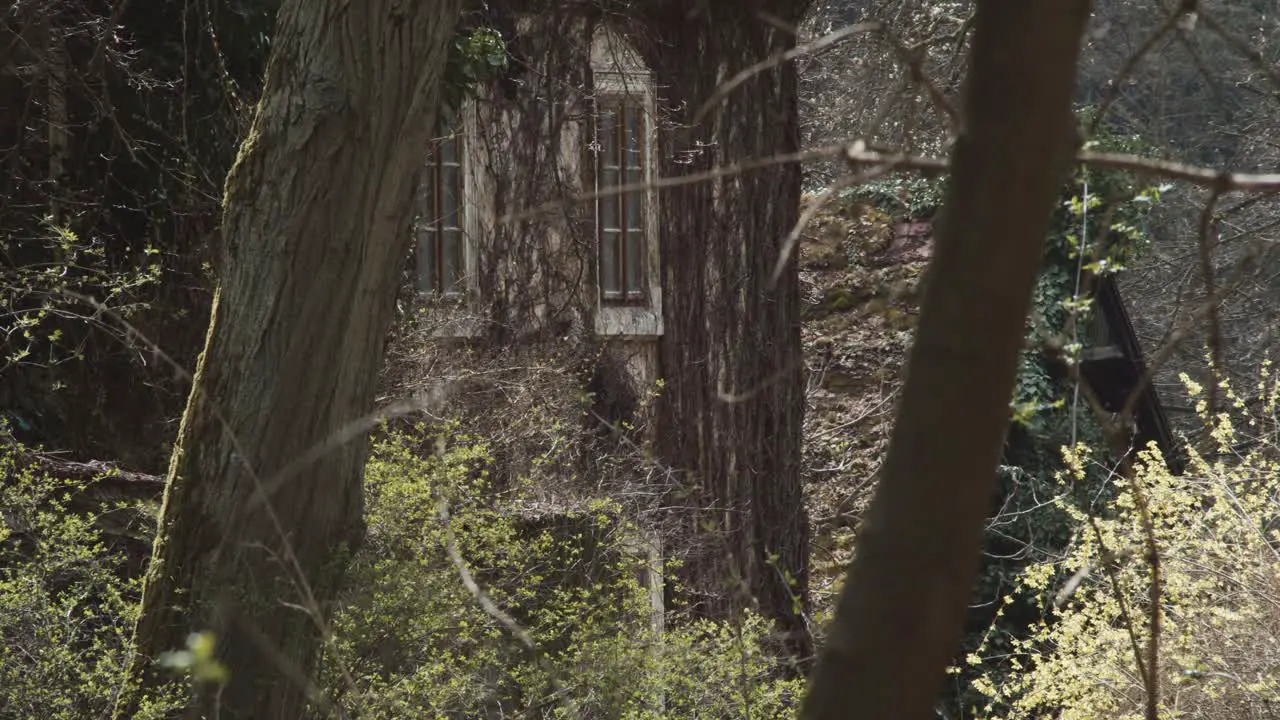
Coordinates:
column 899, row 618
column 315, row 227
column 731, row 413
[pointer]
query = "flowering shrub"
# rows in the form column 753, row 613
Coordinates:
column 1216, row 532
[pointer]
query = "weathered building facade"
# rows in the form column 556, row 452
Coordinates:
column 571, row 206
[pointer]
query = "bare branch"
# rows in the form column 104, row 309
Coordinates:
column 1131, row 64
column 1206, row 244
column 822, row 43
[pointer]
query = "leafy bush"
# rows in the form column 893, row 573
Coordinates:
column 66, row 609
column 571, row 631
column 411, row 640
column 1216, row 533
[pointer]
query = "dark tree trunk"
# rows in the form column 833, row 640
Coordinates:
column 731, row 412
column 902, row 609
column 316, row 226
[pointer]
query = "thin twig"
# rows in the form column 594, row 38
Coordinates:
column 810, row 212
column 858, row 153
column 1244, row 48
column 1113, row 90
column 826, row 41
column 1108, row 566
column 1205, row 246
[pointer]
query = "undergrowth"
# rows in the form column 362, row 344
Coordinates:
column 1217, row 536
column 575, row 581
column 67, row 607
column 409, row 638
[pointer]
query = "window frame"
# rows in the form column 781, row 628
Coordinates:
column 432, row 234
column 621, row 282
column 455, row 314
column 638, row 313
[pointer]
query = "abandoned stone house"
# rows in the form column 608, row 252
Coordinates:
column 581, row 272
column 590, row 265
column 540, row 226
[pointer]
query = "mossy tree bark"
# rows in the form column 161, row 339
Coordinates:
column 730, row 414
column 316, row 230
column 900, row 615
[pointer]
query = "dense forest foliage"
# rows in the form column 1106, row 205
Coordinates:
column 253, row 463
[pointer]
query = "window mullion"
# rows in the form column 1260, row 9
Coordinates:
column 620, row 148
column 437, row 268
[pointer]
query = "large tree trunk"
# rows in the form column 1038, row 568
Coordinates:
column 731, row 412
column 316, row 220
column 899, row 618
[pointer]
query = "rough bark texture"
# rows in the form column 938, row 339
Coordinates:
column 316, row 221
column 730, row 414
column 900, row 615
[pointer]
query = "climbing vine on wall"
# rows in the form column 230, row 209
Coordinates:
column 478, row 54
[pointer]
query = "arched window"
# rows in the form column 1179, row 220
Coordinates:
column 622, row 160
column 622, row 215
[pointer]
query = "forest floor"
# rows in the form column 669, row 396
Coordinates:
column 860, row 279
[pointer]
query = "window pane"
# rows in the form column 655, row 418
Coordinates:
column 449, row 149
column 608, row 203
column 451, row 254
column 1096, row 332
column 635, row 211
column 450, row 179
column 634, row 122
column 441, row 261
column 635, row 263
column 620, row 215
column 428, row 264
column 430, row 209
column 606, row 134
column 609, row 280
